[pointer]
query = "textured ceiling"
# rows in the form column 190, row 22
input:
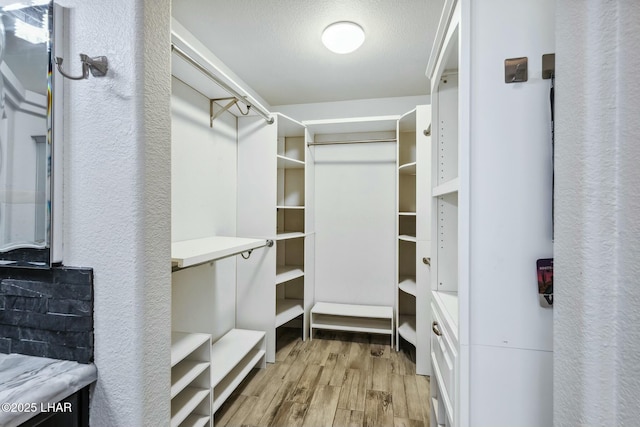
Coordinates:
column 275, row 46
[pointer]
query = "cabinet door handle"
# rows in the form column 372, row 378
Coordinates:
column 426, row 260
column 434, row 328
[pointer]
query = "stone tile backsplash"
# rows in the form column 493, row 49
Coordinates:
column 47, row 313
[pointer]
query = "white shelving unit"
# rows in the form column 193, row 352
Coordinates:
column 444, row 192
column 491, row 192
column 277, row 290
column 413, row 222
column 290, row 209
column 190, row 379
column 205, row 374
column 356, row 233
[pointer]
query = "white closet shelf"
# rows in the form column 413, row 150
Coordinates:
column 229, row 350
column 186, row 402
column 184, row 343
column 184, row 373
column 289, row 235
column 448, row 303
column 352, row 124
column 287, row 310
column 196, row 421
column 407, row 238
column 407, row 213
column 284, row 273
column 289, row 207
column 448, row 187
column 289, row 163
column 355, row 310
column 407, row 169
column 197, row 251
column 229, row 383
column 407, row 328
column 407, row 284
column 351, row 324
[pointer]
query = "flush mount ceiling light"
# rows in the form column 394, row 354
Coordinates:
column 343, row 37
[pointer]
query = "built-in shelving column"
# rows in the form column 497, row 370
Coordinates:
column 290, row 231
column 406, row 245
column 272, row 193
column 413, row 246
column 445, row 185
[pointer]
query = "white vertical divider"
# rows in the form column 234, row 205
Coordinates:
column 257, row 195
column 310, row 239
column 423, row 237
column 396, row 243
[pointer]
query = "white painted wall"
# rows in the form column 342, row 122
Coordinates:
column 117, row 201
column 597, row 341
column 354, row 108
column 355, row 197
column 510, row 210
column 203, row 203
column 203, row 167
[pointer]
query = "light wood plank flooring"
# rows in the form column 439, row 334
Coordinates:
column 338, row 379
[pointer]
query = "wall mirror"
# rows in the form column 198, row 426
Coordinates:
column 26, row 137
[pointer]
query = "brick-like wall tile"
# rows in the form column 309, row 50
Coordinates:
column 47, row 312
column 70, row 306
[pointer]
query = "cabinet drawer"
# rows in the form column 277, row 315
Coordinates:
column 443, row 354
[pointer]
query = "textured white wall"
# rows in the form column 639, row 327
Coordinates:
column 117, row 201
column 597, row 248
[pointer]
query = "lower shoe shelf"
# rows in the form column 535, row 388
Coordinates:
column 232, row 358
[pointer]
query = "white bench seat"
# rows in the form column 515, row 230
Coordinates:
column 371, row 319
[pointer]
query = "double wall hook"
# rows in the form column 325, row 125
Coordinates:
column 98, row 66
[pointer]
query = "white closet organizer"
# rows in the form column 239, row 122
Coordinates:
column 413, row 225
column 355, row 223
column 190, row 379
column 275, row 185
column 231, row 357
column 444, row 192
column 290, row 229
column 492, row 343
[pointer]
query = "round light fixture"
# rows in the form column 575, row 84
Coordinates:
column 343, row 37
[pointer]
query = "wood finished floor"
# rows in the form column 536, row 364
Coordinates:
column 338, row 379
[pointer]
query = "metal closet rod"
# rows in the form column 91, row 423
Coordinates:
column 242, row 98
column 360, row 141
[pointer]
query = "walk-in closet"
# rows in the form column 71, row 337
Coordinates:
column 365, row 261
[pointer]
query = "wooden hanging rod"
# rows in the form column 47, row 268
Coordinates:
column 240, row 97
